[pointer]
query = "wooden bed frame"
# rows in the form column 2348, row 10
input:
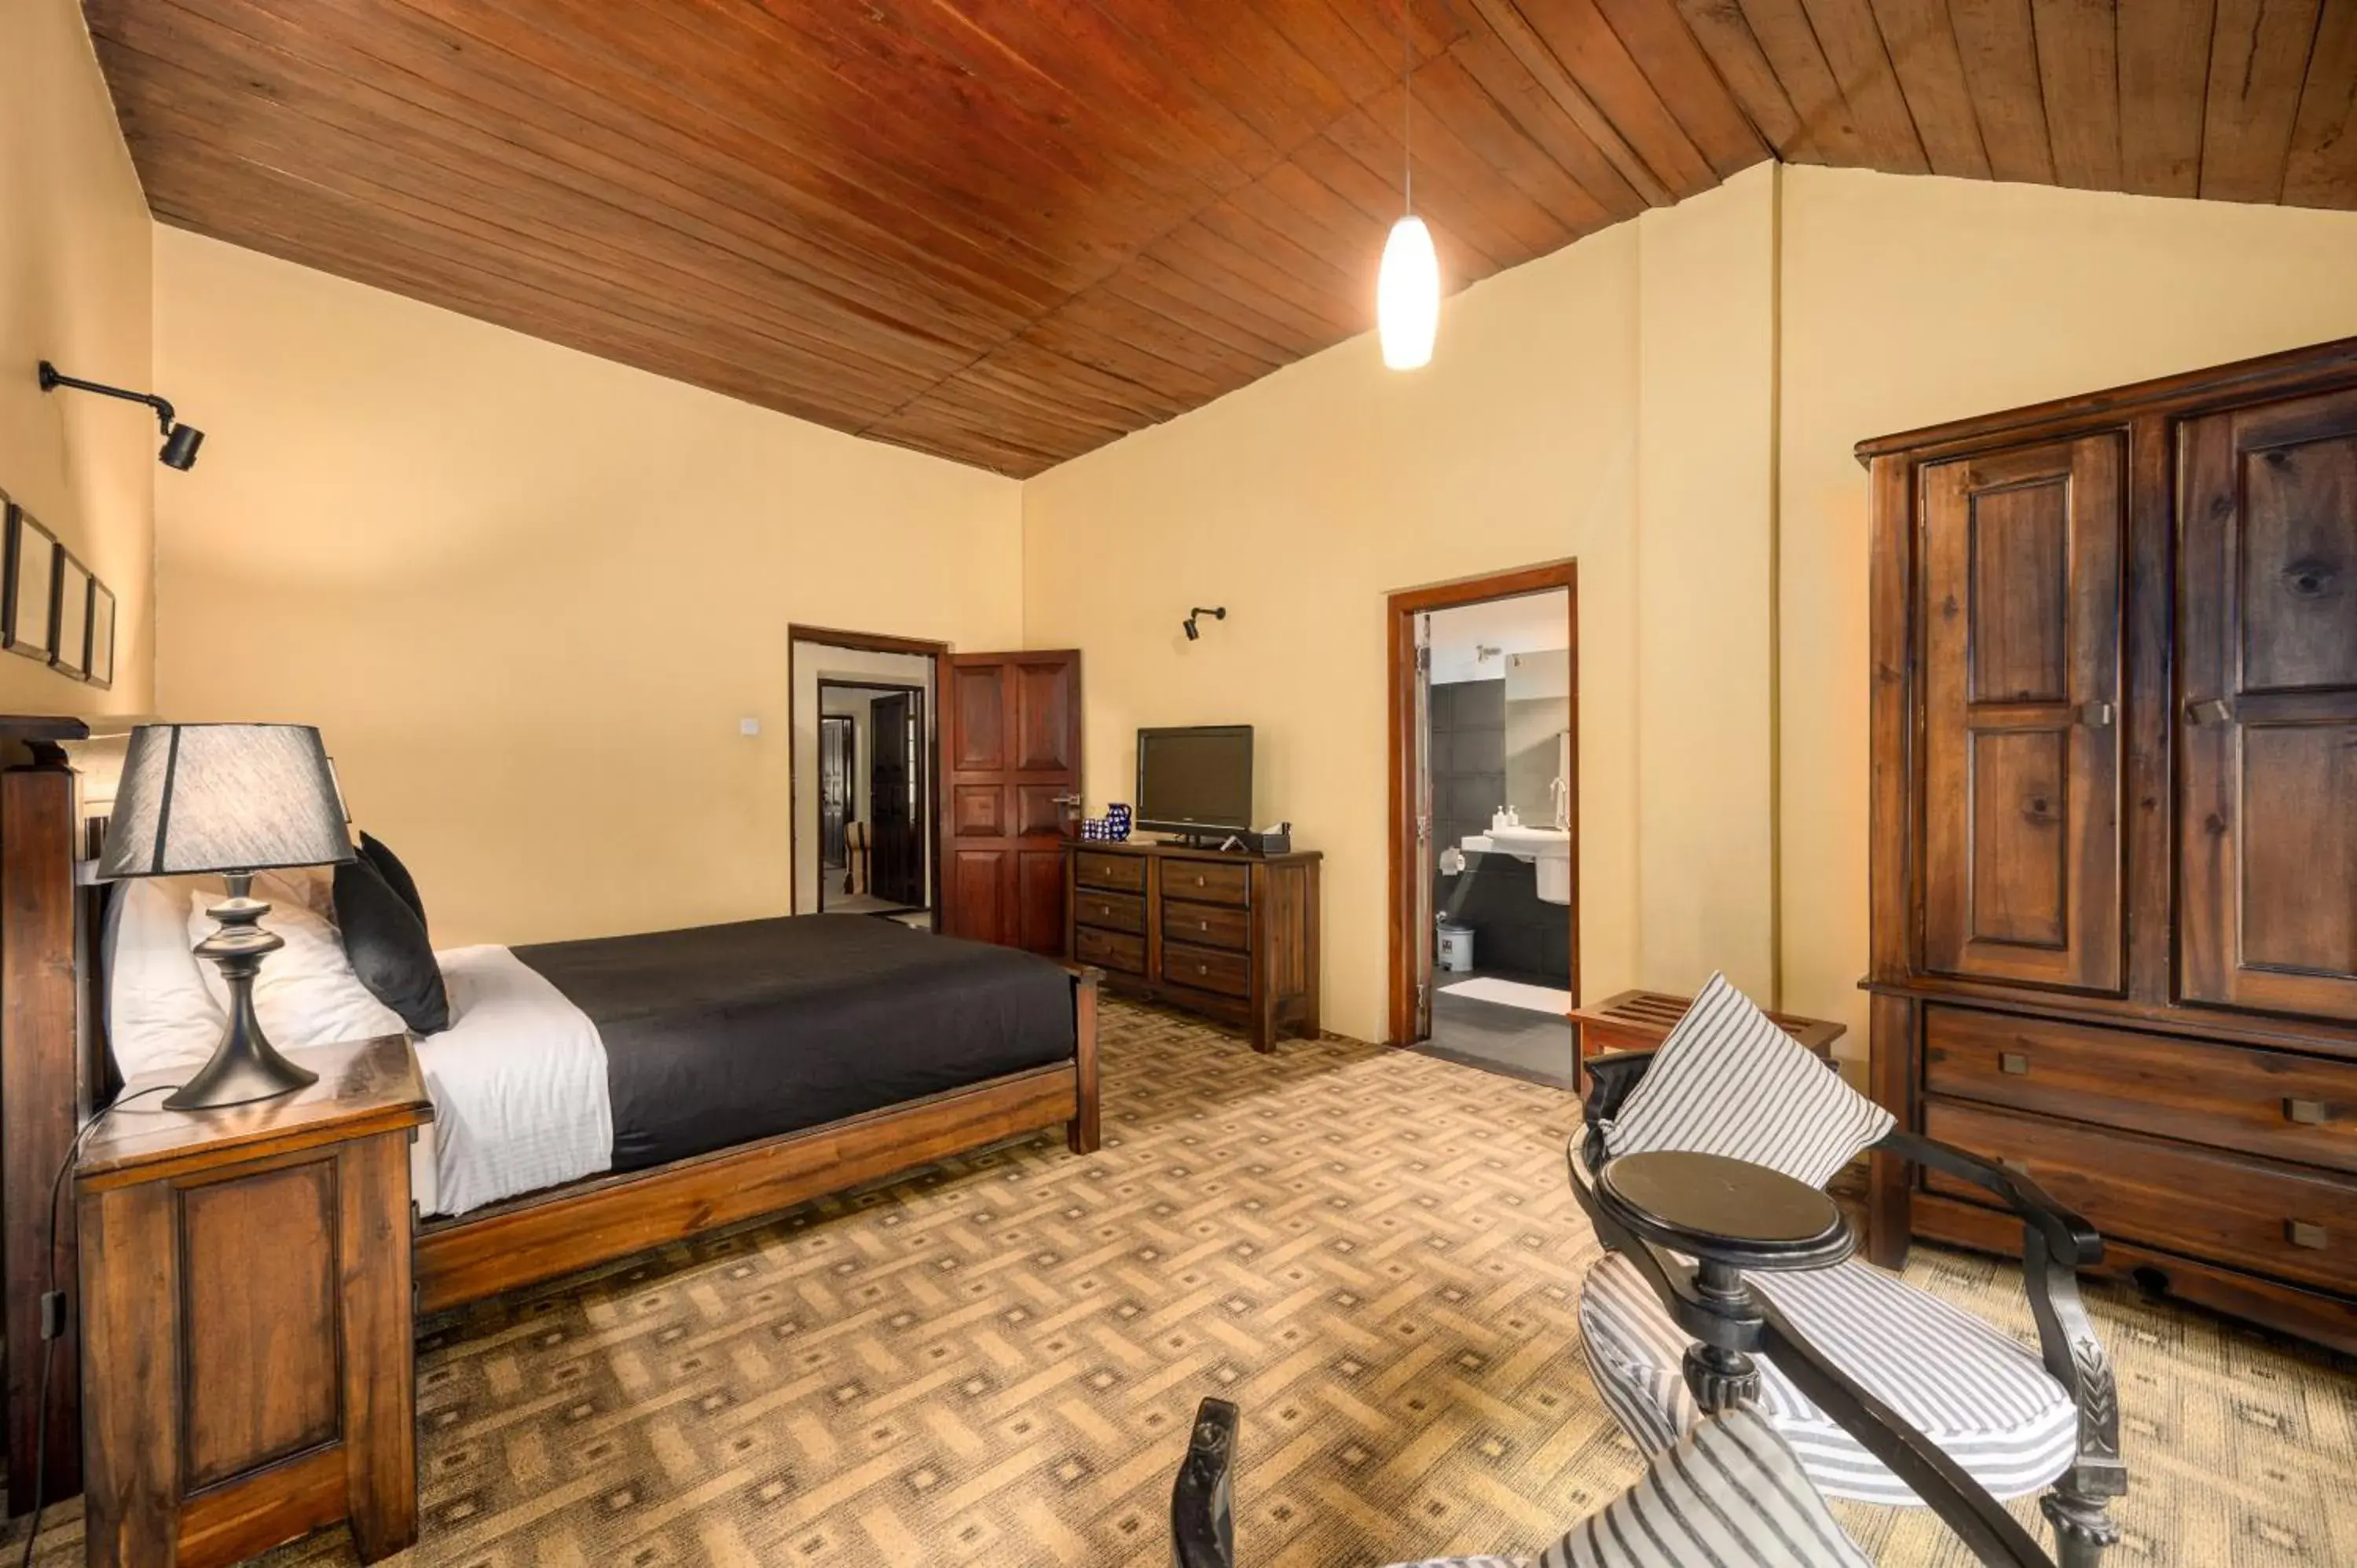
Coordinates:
column 55, row 1069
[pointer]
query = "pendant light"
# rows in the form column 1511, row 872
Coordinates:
column 1407, row 287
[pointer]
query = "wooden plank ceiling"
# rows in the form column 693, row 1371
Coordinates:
column 1007, row 232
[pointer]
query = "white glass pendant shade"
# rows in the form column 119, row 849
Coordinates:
column 1407, row 296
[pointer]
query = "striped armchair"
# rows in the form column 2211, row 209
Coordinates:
column 1947, row 1397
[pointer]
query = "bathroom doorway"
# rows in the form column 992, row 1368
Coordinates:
column 1484, row 872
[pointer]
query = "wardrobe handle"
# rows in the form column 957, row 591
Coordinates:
column 2300, row 1233
column 2306, row 1113
column 2095, row 716
column 2212, row 712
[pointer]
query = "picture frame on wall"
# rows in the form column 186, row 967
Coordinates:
column 102, row 635
column 28, row 597
column 70, row 654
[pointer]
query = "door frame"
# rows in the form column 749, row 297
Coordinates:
column 1411, row 949
column 869, row 642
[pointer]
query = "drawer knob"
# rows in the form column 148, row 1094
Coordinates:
column 2013, row 1063
column 2306, row 1113
column 1199, row 882
column 1202, row 925
column 2300, row 1233
column 1206, row 969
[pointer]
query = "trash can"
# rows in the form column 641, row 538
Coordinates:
column 1456, row 947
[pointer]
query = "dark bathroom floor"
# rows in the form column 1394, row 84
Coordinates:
column 1515, row 1041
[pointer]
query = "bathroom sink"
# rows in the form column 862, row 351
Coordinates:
column 1549, row 849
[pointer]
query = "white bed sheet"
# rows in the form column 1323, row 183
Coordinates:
column 519, row 1087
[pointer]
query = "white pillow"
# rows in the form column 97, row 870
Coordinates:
column 306, row 994
column 159, row 1015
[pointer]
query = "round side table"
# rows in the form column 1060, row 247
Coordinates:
column 1730, row 1216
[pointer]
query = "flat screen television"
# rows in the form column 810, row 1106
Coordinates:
column 1197, row 780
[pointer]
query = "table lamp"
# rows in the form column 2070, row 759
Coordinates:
column 233, row 798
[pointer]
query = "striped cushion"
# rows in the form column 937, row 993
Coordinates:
column 1985, row 1400
column 1728, row 1081
column 1729, row 1492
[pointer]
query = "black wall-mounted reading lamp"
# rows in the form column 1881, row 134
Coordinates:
column 180, row 441
column 1192, row 631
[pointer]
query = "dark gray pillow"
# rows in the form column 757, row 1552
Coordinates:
column 396, row 875
column 386, row 942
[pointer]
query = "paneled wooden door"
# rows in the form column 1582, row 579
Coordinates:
column 1010, row 734
column 2266, row 712
column 2021, row 612
column 895, row 727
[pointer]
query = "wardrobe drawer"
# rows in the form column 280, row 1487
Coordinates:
column 1207, row 969
column 2263, row 1102
column 2254, row 1214
column 1109, row 911
column 1206, row 925
column 1122, row 873
column 1206, row 882
column 1109, row 950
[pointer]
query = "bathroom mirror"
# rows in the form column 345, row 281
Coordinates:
column 1538, row 733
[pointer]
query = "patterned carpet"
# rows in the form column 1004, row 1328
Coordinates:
column 1374, row 1252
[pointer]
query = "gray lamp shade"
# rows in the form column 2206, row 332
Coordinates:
column 223, row 797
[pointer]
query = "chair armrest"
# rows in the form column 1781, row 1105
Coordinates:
column 1202, row 1517
column 2071, row 1240
column 2055, row 1244
column 1963, row 1504
column 1611, row 1075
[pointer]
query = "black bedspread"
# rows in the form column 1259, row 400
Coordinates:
column 724, row 1034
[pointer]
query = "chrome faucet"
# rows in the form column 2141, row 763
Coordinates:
column 1559, row 791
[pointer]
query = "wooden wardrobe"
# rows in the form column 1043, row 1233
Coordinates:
column 2114, row 826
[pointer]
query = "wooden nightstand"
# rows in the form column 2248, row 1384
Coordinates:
column 248, row 1371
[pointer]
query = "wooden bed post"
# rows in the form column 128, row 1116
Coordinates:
column 1081, row 1132
column 43, row 1097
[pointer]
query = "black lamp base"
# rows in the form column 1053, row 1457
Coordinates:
column 246, row 1066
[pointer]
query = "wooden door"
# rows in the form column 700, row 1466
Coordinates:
column 2266, row 715
column 836, row 743
column 895, row 739
column 1010, row 731
column 2021, row 612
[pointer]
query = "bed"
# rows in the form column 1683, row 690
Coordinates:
column 594, row 1099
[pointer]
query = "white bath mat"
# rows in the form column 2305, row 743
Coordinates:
column 1513, row 993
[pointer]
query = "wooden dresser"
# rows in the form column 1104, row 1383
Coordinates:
column 248, row 1368
column 1233, row 936
column 2114, row 826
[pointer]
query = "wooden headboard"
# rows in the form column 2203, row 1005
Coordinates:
column 54, row 1070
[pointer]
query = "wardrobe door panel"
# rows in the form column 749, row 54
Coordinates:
column 2268, row 711
column 2021, row 589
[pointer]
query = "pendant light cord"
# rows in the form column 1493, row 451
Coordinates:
column 1407, row 105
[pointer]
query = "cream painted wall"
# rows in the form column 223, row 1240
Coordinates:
column 1706, row 532
column 1673, row 402
column 528, row 595
column 74, row 289
column 1302, row 501
column 1906, row 301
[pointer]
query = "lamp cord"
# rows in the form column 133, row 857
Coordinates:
column 1407, row 105
column 49, row 1340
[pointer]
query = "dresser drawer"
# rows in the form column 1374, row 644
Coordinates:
column 1206, row 882
column 1109, row 950
column 1207, row 969
column 1109, row 911
column 2253, row 1214
column 1121, row 872
column 2263, row 1102
column 1206, row 925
